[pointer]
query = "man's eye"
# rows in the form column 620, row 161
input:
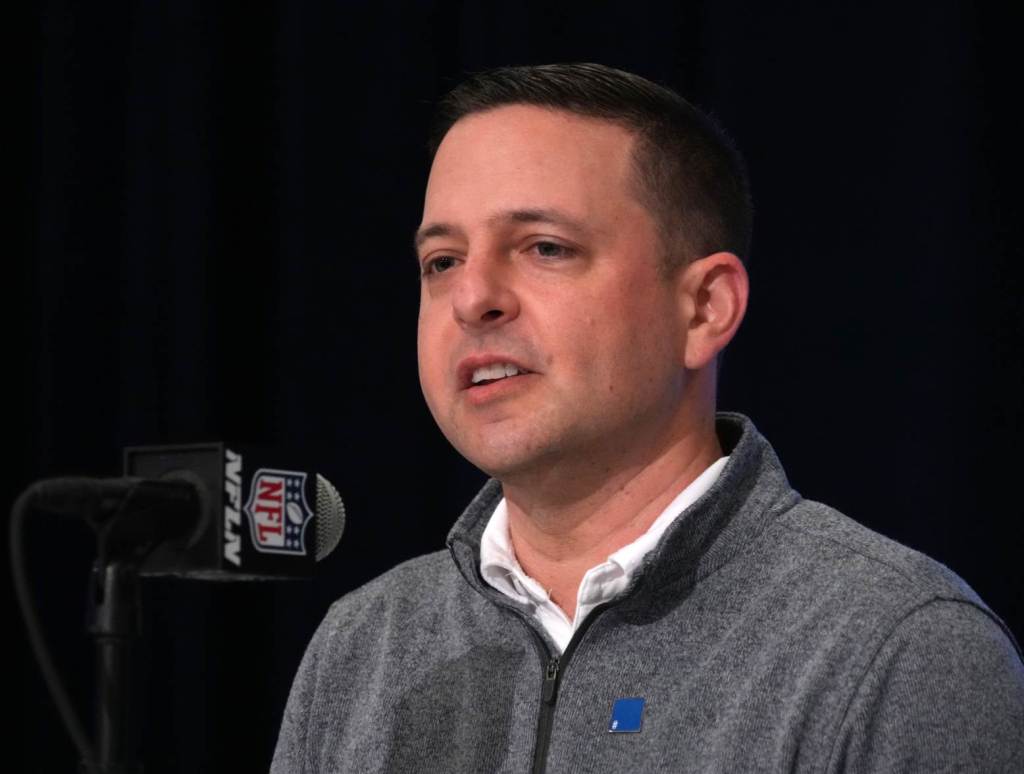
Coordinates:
column 552, row 250
column 438, row 265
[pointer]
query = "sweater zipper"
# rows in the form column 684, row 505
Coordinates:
column 553, row 670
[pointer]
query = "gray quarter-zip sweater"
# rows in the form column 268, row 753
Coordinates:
column 765, row 632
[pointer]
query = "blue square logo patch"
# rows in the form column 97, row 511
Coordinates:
column 627, row 716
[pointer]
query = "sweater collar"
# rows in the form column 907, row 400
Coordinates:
column 750, row 492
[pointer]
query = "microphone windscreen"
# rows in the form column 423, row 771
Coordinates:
column 330, row 515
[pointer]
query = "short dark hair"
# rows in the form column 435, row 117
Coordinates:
column 689, row 174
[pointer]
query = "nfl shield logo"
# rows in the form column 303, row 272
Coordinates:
column 278, row 511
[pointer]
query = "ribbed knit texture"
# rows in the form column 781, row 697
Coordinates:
column 766, row 633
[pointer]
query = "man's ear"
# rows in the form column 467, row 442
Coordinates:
column 713, row 292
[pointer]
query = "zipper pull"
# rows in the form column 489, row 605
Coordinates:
column 551, row 680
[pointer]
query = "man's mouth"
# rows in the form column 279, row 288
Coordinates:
column 495, row 372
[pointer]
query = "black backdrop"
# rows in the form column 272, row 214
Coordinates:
column 220, row 204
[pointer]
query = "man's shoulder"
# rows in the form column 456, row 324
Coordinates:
column 421, row 602
column 922, row 655
column 416, row 584
column 861, row 557
column 868, row 579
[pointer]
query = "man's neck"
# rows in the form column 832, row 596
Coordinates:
column 557, row 539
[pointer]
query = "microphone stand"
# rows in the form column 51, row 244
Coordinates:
column 150, row 514
column 132, row 518
column 115, row 623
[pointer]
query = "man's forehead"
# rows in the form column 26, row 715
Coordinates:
column 525, row 164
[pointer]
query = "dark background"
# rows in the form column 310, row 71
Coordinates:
column 216, row 244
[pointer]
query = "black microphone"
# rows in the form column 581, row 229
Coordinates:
column 131, row 516
column 205, row 511
column 255, row 520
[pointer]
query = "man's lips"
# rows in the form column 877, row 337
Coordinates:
column 470, row 365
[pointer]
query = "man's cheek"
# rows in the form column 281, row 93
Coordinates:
column 431, row 383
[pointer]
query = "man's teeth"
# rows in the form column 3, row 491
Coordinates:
column 495, row 371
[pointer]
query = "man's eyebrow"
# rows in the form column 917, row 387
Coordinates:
column 431, row 231
column 529, row 215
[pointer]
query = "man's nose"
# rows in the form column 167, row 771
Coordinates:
column 485, row 295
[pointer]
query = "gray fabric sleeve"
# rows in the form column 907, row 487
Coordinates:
column 291, row 754
column 945, row 692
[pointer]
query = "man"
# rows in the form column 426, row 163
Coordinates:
column 638, row 588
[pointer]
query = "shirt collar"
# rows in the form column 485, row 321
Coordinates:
column 501, row 570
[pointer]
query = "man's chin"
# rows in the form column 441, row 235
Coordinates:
column 503, row 457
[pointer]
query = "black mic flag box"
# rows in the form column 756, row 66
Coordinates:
column 257, row 520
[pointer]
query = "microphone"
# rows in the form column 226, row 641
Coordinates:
column 204, row 511
column 252, row 521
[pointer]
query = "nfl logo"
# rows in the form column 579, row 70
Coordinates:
column 278, row 511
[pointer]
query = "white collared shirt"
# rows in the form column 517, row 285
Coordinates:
column 500, row 568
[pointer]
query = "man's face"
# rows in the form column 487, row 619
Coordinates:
column 539, row 262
